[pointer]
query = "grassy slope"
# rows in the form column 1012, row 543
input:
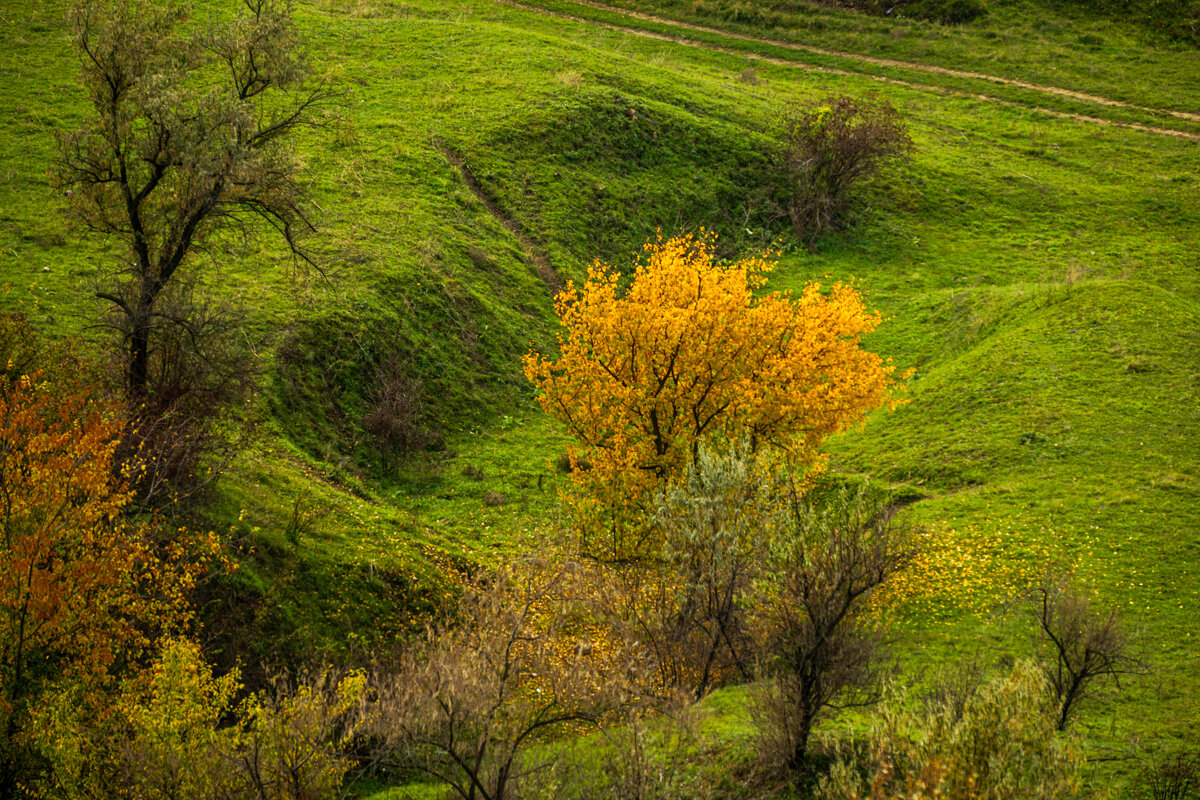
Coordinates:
column 1045, row 43
column 1038, row 273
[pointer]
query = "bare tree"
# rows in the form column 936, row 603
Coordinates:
column 827, row 560
column 188, row 137
column 465, row 707
column 1084, row 644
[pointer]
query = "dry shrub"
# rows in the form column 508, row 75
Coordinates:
column 1000, row 744
column 639, row 613
column 182, row 430
column 826, row 154
column 820, row 640
column 395, row 419
column 1175, row 776
column 1080, row 644
column 467, row 703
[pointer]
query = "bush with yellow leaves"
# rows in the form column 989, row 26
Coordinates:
column 176, row 733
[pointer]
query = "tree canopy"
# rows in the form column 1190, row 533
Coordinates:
column 188, row 135
column 689, row 353
column 81, row 588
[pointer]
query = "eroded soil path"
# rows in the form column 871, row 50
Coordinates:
column 533, row 254
column 865, row 59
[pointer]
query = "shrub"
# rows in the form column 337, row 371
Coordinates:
column 827, row 152
column 714, row 525
column 176, row 733
column 1170, row 777
column 1000, row 744
column 182, row 429
column 395, row 419
column 466, row 703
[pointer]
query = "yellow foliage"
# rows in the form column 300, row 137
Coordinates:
column 972, row 568
column 168, row 735
column 689, row 353
column 81, row 587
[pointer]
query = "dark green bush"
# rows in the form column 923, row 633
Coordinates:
column 828, row 150
column 946, row 12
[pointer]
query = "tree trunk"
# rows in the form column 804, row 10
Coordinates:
column 140, row 325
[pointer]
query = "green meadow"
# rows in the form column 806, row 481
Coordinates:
column 1037, row 265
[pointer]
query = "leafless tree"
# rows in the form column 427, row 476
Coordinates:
column 1083, row 644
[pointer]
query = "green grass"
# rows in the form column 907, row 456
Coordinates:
column 1036, row 42
column 1039, row 273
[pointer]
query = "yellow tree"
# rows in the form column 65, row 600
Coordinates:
column 688, row 353
column 80, row 587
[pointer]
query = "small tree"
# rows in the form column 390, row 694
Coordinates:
column 466, row 706
column 188, row 138
column 824, row 564
column 1083, row 644
column 715, row 530
column 827, row 152
column 689, row 354
column 187, row 146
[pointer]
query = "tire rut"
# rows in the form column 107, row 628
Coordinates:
column 682, row 40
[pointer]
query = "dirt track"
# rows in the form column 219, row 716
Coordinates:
column 536, row 258
column 1050, row 90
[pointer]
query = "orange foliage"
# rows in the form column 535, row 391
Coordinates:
column 79, row 585
column 689, row 353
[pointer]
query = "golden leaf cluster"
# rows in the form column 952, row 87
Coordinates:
column 80, row 583
column 691, row 352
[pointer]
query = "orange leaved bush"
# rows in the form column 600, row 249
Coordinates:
column 689, row 353
column 80, row 587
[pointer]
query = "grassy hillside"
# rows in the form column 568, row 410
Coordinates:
column 1038, row 270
